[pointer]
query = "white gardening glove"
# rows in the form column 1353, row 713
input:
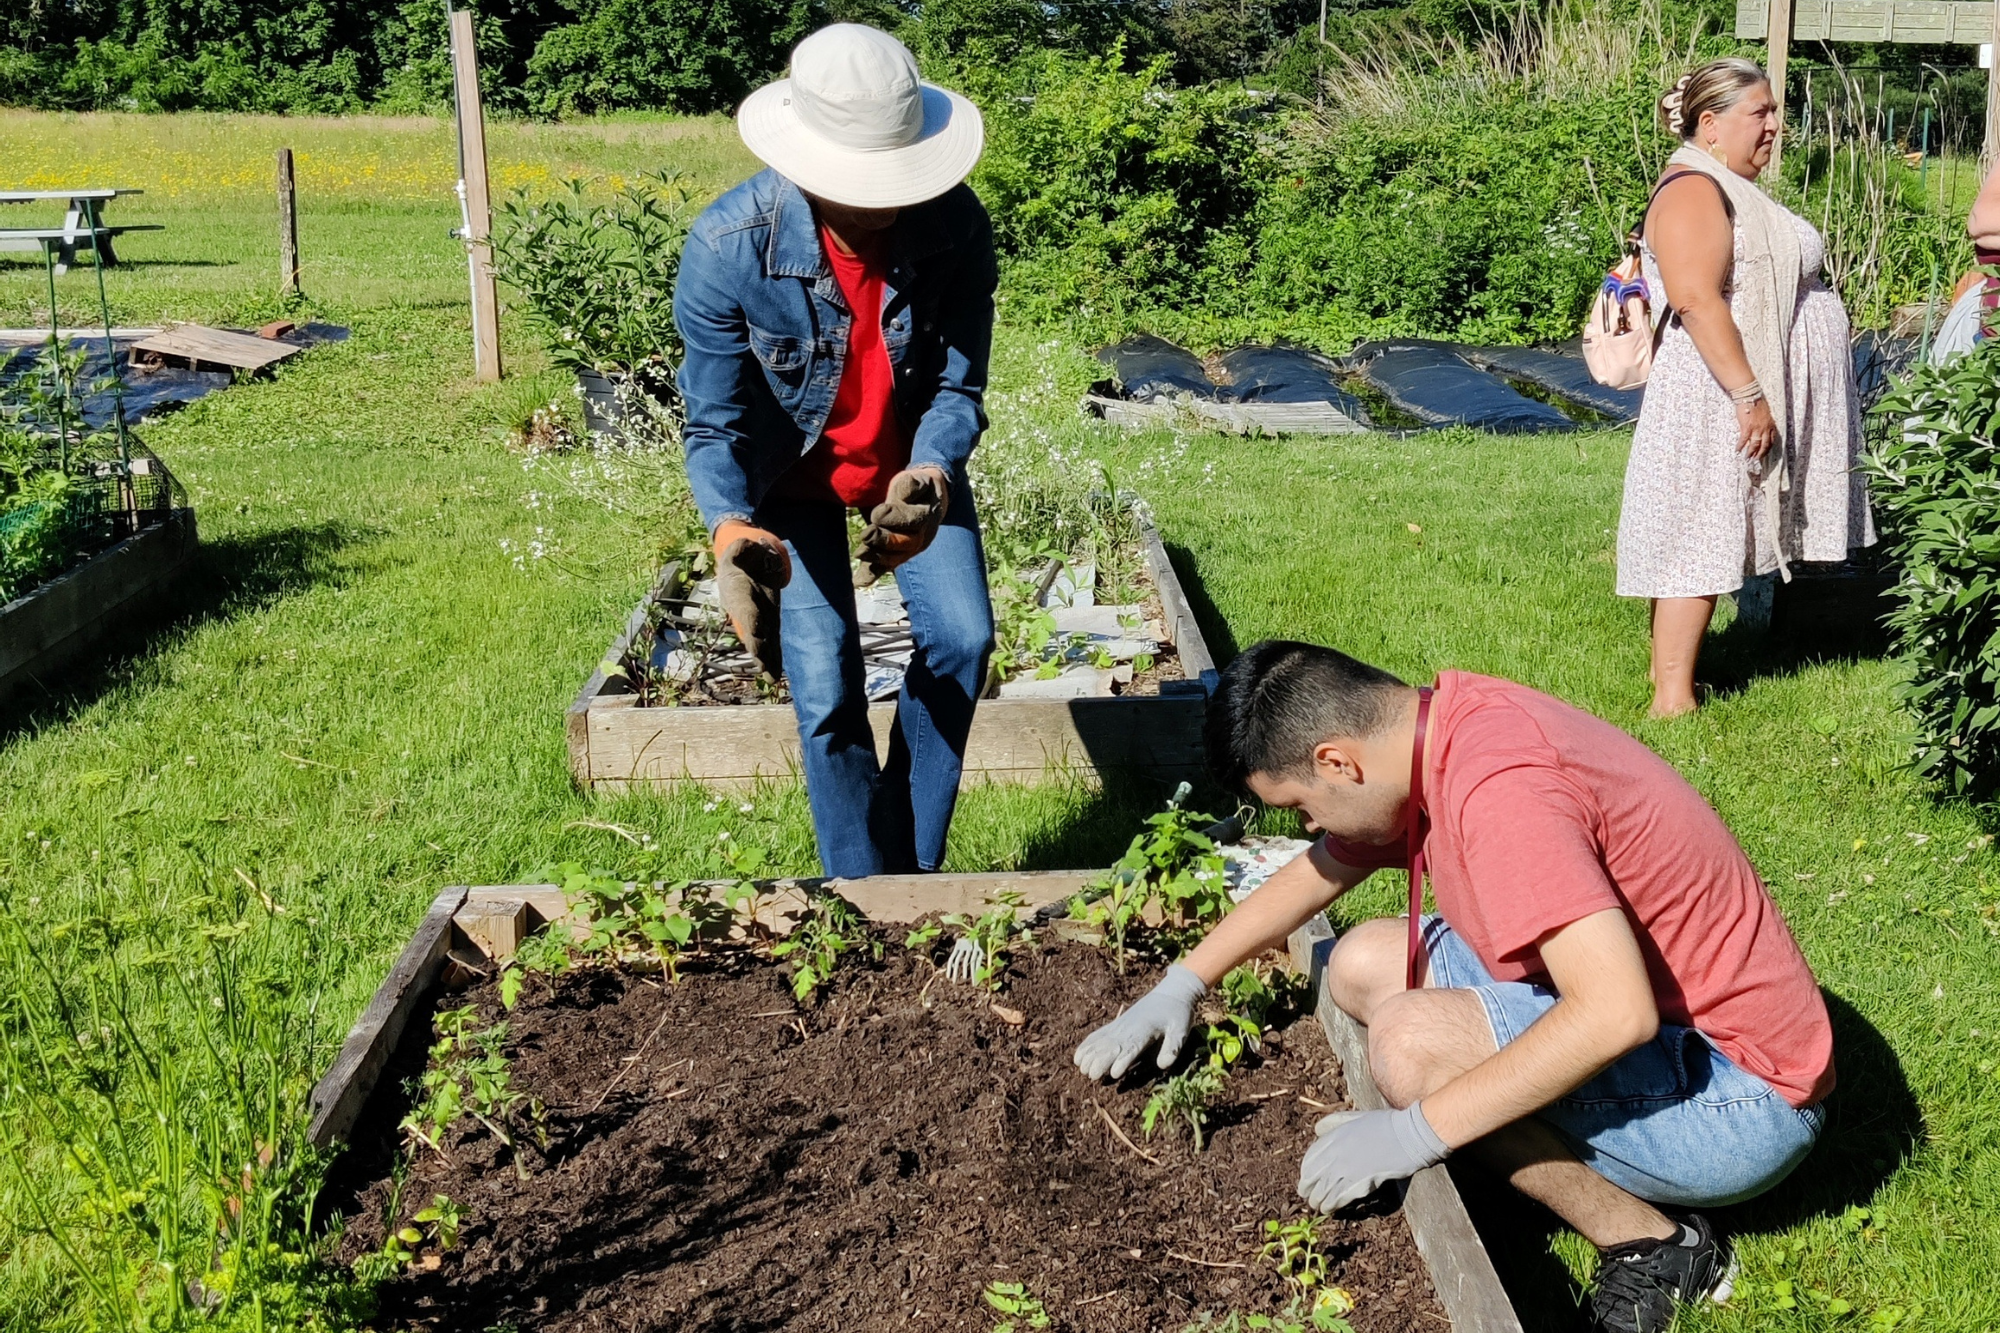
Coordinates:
column 1358, row 1152
column 1165, row 1012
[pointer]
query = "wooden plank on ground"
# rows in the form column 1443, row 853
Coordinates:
column 1182, row 631
column 1461, row 1271
column 198, row 346
column 1012, row 740
column 1257, row 419
column 338, row 1098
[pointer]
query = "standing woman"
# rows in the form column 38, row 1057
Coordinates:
column 1744, row 457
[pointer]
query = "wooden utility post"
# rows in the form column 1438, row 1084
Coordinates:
column 1780, row 33
column 477, row 207
column 1989, row 152
column 288, row 226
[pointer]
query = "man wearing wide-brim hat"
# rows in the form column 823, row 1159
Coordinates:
column 837, row 311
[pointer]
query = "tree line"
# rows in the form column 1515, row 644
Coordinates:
column 571, row 57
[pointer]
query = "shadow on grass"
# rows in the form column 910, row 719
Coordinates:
column 1873, row 1125
column 227, row 578
column 1215, row 629
column 1096, row 835
column 1818, row 620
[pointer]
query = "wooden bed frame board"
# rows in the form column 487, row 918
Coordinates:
column 50, row 628
column 613, row 744
column 1461, row 1272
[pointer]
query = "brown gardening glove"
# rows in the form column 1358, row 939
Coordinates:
column 904, row 524
column 751, row 565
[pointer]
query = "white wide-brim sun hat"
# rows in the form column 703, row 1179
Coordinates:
column 855, row 125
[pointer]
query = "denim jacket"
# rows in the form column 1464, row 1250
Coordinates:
column 766, row 330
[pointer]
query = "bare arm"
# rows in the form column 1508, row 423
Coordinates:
column 1984, row 222
column 1300, row 890
column 1691, row 237
column 1606, row 1009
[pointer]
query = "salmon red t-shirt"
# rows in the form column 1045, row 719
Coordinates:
column 863, row 444
column 1540, row 814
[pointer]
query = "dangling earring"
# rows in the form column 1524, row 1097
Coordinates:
column 1718, row 152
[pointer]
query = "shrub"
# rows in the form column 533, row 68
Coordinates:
column 663, row 53
column 598, row 276
column 1112, row 191
column 1934, row 473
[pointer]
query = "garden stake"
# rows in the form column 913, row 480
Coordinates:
column 55, row 356
column 111, row 355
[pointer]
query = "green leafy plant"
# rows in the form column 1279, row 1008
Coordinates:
column 596, row 272
column 989, row 935
column 1934, row 473
column 468, row 1074
column 1320, row 1313
column 1018, row 1307
column 440, row 1223
column 830, row 929
column 1184, row 1099
column 1171, row 865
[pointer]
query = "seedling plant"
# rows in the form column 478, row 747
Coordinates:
column 1019, row 1308
column 1172, row 865
column 830, row 929
column 981, row 950
column 469, row 1074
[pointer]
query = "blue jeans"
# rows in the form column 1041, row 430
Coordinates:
column 873, row 819
column 1674, row 1122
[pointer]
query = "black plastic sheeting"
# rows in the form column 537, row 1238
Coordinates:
column 1878, row 359
column 147, row 393
column 1560, row 371
column 1441, row 388
column 1149, row 368
column 1285, row 374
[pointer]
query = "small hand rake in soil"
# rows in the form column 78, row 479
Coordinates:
column 968, row 958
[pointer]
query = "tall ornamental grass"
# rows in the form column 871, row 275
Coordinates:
column 1934, row 473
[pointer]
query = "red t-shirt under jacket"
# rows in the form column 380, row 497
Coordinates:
column 863, row 444
column 1541, row 814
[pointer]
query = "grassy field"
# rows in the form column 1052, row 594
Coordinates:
column 360, row 702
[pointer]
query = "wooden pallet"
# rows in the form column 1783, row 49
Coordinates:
column 615, row 744
column 198, row 347
column 484, row 925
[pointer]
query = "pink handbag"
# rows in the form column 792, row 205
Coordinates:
column 1620, row 334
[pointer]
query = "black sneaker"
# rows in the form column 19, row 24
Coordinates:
column 1640, row 1284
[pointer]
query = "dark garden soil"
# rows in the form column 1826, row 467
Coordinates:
column 872, row 1161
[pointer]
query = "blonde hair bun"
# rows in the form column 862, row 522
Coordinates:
column 1714, row 87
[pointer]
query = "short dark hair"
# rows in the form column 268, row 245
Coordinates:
column 1280, row 699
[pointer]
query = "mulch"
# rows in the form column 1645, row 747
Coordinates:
column 873, row 1160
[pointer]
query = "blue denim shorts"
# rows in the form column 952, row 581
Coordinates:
column 1673, row 1122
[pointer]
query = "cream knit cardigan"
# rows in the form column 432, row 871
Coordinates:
column 1768, row 278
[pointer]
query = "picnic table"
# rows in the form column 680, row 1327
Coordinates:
column 83, row 226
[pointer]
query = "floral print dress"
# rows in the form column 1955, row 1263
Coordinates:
column 1692, row 526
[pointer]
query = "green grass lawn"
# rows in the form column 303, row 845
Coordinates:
column 360, row 700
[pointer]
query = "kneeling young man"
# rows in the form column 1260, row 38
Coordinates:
column 1609, row 1009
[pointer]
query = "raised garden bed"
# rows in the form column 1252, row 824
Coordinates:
column 57, row 623
column 618, row 736
column 715, row 1154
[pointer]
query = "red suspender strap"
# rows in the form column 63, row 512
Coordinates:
column 1416, row 839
